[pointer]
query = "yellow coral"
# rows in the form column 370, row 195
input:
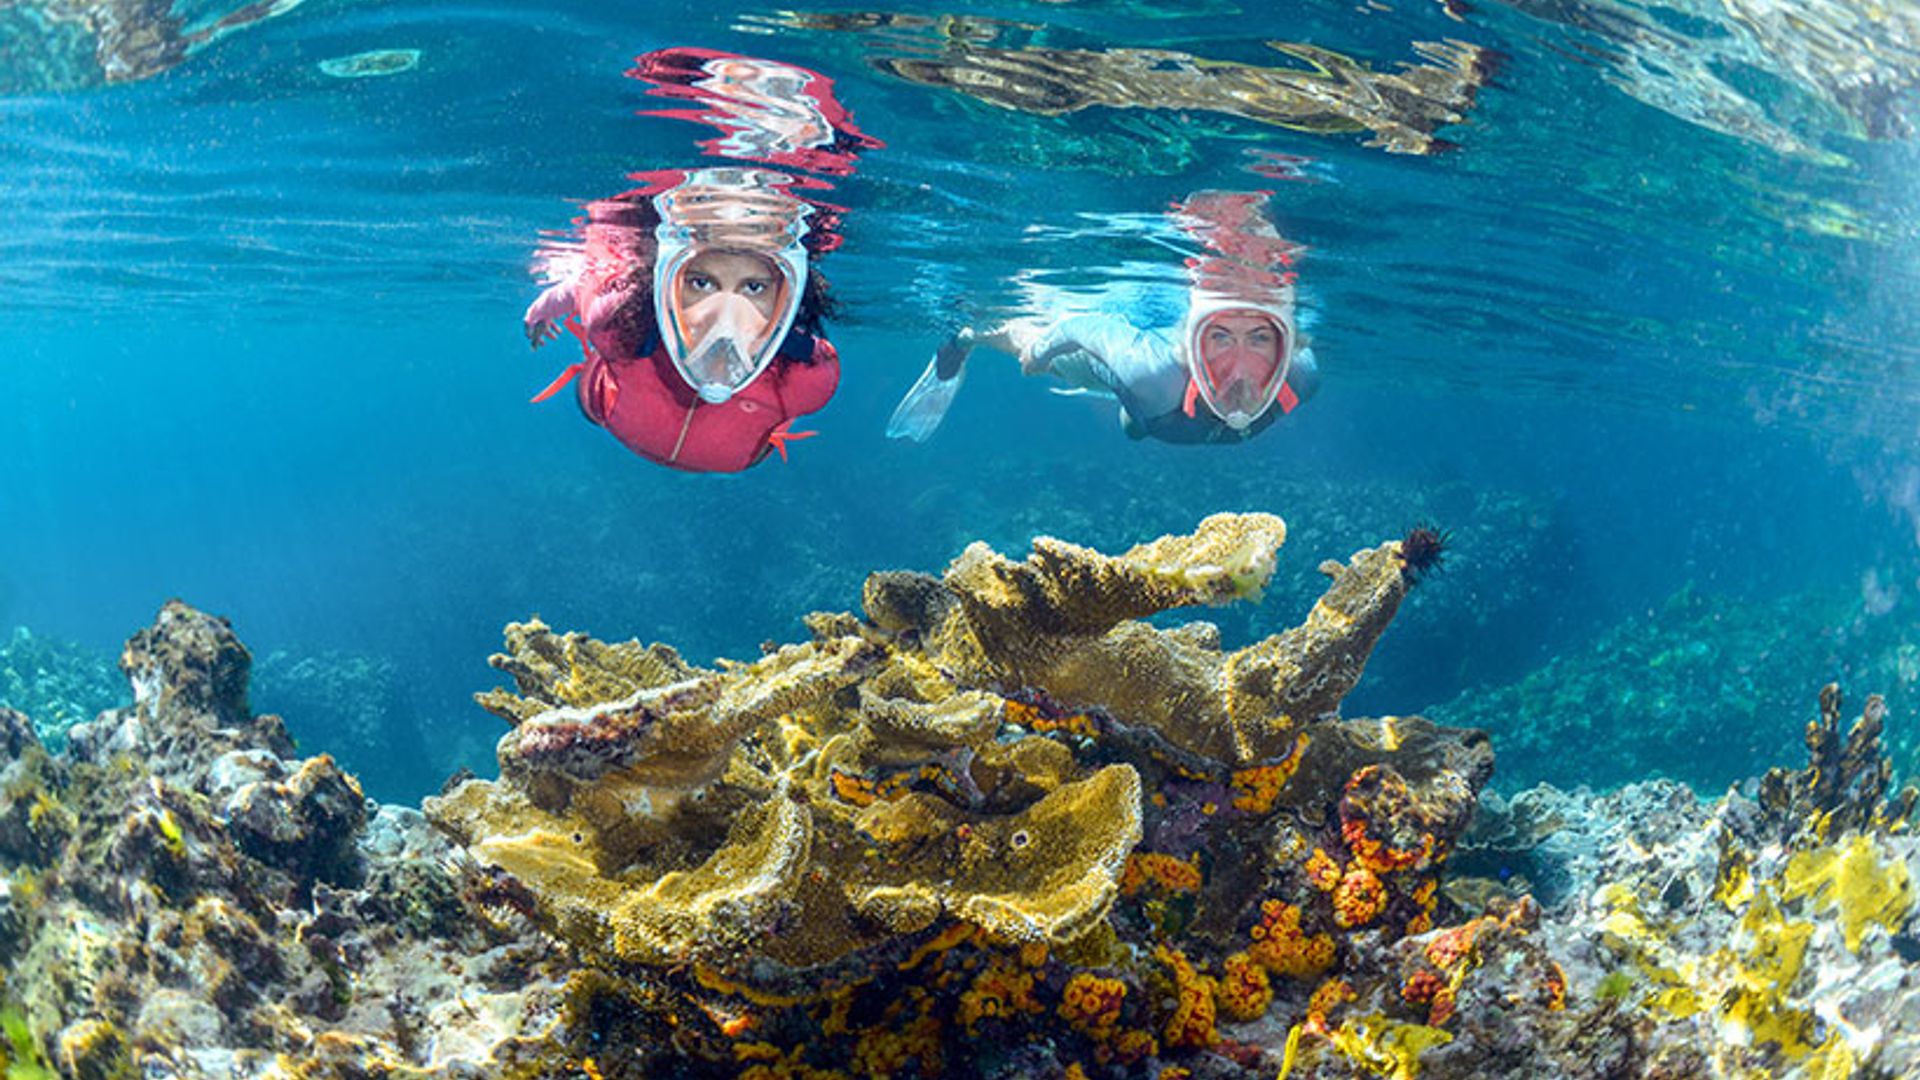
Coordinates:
column 1387, row 1047
column 1303, row 673
column 1850, row 881
column 573, row 669
column 772, row 1064
column 1060, row 882
column 941, row 942
column 710, row 907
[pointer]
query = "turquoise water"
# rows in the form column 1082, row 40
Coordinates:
column 1643, row 339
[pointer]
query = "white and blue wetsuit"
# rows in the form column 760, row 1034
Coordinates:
column 1107, row 354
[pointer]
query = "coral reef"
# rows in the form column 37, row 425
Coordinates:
column 1733, row 938
column 184, row 898
column 359, row 706
column 933, row 821
column 956, row 834
column 1693, row 691
column 57, row 683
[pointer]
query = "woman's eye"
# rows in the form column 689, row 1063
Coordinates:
column 700, row 282
column 754, row 288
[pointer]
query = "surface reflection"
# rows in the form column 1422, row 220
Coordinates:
column 1328, row 93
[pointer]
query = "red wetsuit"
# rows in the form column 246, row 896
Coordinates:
column 647, row 406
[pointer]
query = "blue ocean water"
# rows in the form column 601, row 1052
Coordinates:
column 1643, row 339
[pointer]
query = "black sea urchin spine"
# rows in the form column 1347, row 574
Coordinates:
column 1424, row 550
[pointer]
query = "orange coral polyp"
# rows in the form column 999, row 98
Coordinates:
column 1556, row 986
column 1425, row 987
column 1035, row 719
column 1358, row 899
column 1146, row 868
column 1192, row 1024
column 1134, row 1045
column 1327, row 997
column 885, row 1051
column 1001, row 988
column 1453, row 944
column 1091, row 1003
column 1322, row 871
column 853, row 789
column 1244, row 989
column 1280, row 946
column 1256, row 788
column 1380, row 857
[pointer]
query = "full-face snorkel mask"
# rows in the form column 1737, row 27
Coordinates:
column 1237, row 381
column 1245, row 270
column 721, row 341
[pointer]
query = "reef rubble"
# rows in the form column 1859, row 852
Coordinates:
column 993, row 824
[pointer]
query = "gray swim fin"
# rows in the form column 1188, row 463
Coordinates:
column 919, row 414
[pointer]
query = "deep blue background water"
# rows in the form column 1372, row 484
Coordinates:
column 263, row 353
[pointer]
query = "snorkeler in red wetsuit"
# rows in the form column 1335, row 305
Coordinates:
column 699, row 321
column 695, row 297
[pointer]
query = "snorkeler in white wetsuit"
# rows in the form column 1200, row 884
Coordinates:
column 1233, row 365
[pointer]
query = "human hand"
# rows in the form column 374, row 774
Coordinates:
column 541, row 331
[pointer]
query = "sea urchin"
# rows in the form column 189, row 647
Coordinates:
column 1424, row 550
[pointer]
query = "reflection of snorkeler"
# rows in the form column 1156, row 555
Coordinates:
column 698, row 313
column 1235, row 355
column 765, row 110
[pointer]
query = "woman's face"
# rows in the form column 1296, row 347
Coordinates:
column 714, row 275
column 1237, row 346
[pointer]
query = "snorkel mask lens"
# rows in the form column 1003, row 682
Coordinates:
column 727, row 338
column 729, row 274
column 1239, row 359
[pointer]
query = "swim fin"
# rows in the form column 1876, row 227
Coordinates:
column 919, row 413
